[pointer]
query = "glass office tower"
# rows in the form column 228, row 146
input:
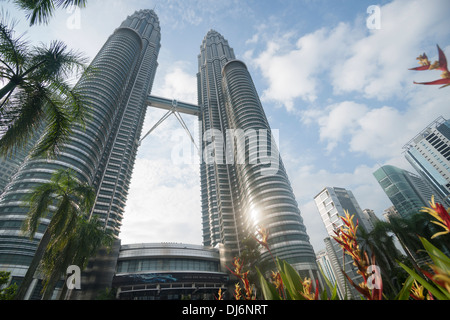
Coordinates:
column 429, row 154
column 332, row 202
column 243, row 181
column 407, row 191
column 103, row 152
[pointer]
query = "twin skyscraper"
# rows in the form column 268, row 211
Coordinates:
column 236, row 197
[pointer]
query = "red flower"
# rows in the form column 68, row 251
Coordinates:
column 438, row 65
column 442, row 216
column 424, row 62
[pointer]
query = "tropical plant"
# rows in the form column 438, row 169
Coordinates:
column 8, row 292
column 423, row 283
column 36, row 92
column 285, row 283
column 379, row 242
column 435, row 280
column 63, row 199
column 441, row 65
column 40, row 11
column 74, row 248
column 347, row 239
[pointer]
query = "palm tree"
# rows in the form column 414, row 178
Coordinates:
column 408, row 230
column 64, row 199
column 76, row 248
column 40, row 11
column 36, row 91
column 379, row 243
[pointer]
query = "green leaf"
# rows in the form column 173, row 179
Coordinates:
column 434, row 291
column 439, row 258
column 406, row 289
column 292, row 281
column 334, row 295
column 268, row 289
column 324, row 294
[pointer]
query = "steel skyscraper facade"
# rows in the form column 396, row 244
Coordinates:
column 429, row 154
column 243, row 181
column 407, row 191
column 332, row 202
column 103, row 152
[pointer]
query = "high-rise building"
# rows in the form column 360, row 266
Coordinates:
column 332, row 202
column 10, row 164
column 429, row 154
column 407, row 191
column 103, row 152
column 390, row 212
column 331, row 267
column 370, row 214
column 243, row 181
column 8, row 168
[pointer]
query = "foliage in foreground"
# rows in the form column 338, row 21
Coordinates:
column 432, row 283
column 9, row 292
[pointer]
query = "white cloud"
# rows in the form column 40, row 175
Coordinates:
column 378, row 64
column 338, row 121
column 352, row 58
column 379, row 133
column 164, row 200
column 163, row 204
column 292, row 73
column 178, row 83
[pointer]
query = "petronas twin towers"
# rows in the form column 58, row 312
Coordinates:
column 244, row 184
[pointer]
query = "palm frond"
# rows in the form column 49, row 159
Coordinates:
column 20, row 118
column 87, row 195
column 39, row 202
column 40, row 11
column 62, row 218
column 57, row 130
column 54, row 61
column 76, row 102
column 37, row 11
column 13, row 50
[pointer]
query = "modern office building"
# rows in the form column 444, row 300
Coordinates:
column 332, row 202
column 390, row 212
column 244, row 184
column 370, row 214
column 9, row 165
column 332, row 269
column 8, row 168
column 407, row 191
column 103, row 152
column 169, row 271
column 429, row 154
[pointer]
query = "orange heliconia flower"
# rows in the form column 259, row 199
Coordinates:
column 442, row 216
column 307, row 290
column 437, row 65
column 346, row 237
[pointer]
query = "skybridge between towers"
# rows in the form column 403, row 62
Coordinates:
column 174, row 107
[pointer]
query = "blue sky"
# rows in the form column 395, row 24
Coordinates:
column 340, row 94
